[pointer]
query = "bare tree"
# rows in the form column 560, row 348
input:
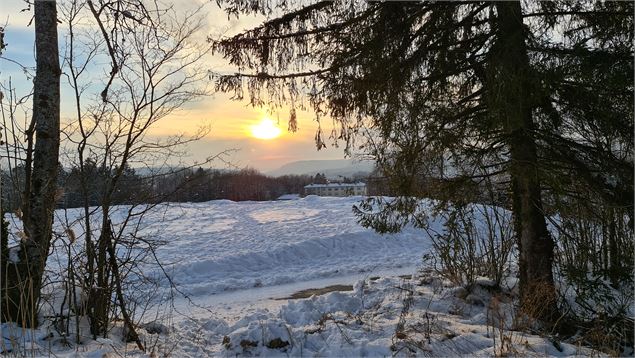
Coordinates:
column 154, row 70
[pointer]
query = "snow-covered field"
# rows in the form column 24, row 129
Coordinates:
column 233, row 259
column 224, row 245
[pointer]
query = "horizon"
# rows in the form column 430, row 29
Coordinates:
column 332, row 168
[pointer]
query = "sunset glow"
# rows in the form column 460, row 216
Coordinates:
column 266, row 129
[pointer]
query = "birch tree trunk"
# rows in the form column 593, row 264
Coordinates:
column 22, row 280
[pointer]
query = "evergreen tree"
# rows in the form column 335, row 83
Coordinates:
column 320, row 179
column 503, row 90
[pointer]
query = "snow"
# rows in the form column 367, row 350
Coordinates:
column 223, row 245
column 381, row 317
column 289, row 197
column 234, row 258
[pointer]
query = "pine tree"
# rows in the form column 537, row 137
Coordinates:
column 499, row 89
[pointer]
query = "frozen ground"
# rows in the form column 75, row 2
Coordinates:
column 233, row 258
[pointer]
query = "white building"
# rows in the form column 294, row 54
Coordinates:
column 335, row 189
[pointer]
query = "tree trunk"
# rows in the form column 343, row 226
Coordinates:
column 100, row 295
column 510, row 93
column 615, row 263
column 23, row 279
column 131, row 334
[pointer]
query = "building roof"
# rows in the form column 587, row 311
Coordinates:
column 336, row 185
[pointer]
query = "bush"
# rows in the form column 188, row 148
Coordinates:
column 475, row 241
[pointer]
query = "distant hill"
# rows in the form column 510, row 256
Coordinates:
column 331, row 168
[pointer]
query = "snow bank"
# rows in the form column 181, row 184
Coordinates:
column 382, row 317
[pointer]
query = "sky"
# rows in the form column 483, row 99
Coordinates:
column 231, row 122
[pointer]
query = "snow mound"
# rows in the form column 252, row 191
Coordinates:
column 383, row 317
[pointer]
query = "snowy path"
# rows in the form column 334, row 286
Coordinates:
column 233, row 305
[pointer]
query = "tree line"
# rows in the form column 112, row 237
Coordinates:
column 183, row 185
column 238, row 185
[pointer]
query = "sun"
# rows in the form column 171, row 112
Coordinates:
column 266, row 129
